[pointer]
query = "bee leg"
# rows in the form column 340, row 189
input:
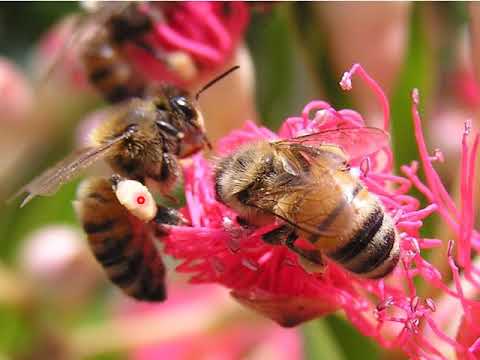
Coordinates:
column 171, row 130
column 115, row 179
column 313, row 256
column 244, row 223
column 167, row 216
column 165, row 175
column 278, row 235
column 311, row 260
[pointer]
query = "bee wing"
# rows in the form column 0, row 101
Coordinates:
column 52, row 179
column 302, row 187
column 356, row 142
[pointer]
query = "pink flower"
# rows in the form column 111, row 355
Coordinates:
column 16, row 93
column 58, row 263
column 206, row 32
column 220, row 340
column 466, row 88
column 189, row 42
column 269, row 278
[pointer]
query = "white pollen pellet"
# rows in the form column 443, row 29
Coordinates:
column 183, row 64
column 137, row 199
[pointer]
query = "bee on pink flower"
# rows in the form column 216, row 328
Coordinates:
column 270, row 278
column 125, row 47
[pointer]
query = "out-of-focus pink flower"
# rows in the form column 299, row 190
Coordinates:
column 206, row 32
column 466, row 88
column 228, row 340
column 190, row 42
column 57, row 260
column 378, row 42
column 270, row 279
column 49, row 251
column 16, row 94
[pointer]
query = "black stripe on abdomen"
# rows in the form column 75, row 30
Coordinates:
column 99, row 74
column 117, row 93
column 113, row 250
column 129, row 270
column 392, row 263
column 150, row 289
column 94, row 228
column 378, row 251
column 361, row 240
column 328, row 221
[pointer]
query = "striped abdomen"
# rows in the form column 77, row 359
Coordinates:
column 110, row 72
column 120, row 243
column 355, row 230
column 373, row 249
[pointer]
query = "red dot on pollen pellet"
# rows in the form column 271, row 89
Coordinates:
column 141, row 200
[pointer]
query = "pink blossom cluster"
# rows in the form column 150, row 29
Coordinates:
column 207, row 31
column 269, row 279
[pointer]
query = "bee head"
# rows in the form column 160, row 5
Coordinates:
column 240, row 176
column 178, row 114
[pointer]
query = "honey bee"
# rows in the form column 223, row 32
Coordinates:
column 121, row 243
column 102, row 37
column 141, row 139
column 306, row 182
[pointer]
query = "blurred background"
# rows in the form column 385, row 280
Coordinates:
column 55, row 302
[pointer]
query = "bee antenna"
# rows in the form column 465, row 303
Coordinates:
column 218, row 78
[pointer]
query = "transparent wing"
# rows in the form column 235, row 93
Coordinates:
column 52, row 179
column 288, row 192
column 356, row 142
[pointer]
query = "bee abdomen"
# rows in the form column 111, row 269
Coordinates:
column 110, row 74
column 129, row 258
column 374, row 251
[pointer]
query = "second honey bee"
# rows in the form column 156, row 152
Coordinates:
column 307, row 183
column 122, row 244
column 141, row 139
column 102, row 38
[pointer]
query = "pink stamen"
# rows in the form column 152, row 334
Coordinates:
column 346, row 84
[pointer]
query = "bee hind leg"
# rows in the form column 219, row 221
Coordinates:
column 279, row 235
column 167, row 216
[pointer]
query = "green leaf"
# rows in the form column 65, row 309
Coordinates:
column 320, row 342
column 416, row 73
column 282, row 84
column 353, row 344
column 15, row 332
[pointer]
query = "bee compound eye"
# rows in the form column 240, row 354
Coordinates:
column 183, row 105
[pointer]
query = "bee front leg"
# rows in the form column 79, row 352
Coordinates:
column 311, row 260
column 171, row 131
column 165, row 174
